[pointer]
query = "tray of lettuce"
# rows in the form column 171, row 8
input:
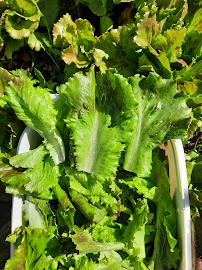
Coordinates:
column 94, row 184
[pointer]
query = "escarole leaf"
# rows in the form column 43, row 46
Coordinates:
column 158, row 111
column 34, row 107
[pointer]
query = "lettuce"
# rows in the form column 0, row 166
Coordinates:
column 35, row 108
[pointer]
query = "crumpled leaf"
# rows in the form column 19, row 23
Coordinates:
column 165, row 254
column 148, row 29
column 35, row 108
column 170, row 43
column 142, row 186
column 117, row 51
column 91, row 188
column 37, row 180
column 76, row 40
column 91, row 212
column 36, row 249
column 19, row 30
column 85, row 244
column 134, row 233
column 37, row 213
column 22, row 18
column 108, row 260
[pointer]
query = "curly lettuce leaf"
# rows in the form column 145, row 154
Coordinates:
column 36, row 181
column 37, row 213
column 142, row 186
column 78, row 92
column 22, row 18
column 134, row 233
column 117, row 50
column 97, row 146
column 158, row 111
column 76, row 40
column 65, row 208
column 85, row 244
column 109, row 260
column 91, row 212
column 166, row 253
column 90, row 187
column 35, row 249
column 34, row 107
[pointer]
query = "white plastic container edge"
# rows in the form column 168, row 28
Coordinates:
column 178, row 190
column 180, row 193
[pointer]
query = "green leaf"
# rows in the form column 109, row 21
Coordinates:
column 134, row 233
column 37, row 180
column 159, row 109
column 66, row 209
column 105, row 23
column 85, row 244
column 170, row 43
column 142, row 186
column 97, row 146
column 38, row 214
column 35, row 247
column 76, row 39
column 22, row 29
column 98, row 7
column 118, row 51
column 91, row 188
column 91, row 212
column 148, row 29
column 12, row 46
column 26, row 8
column 5, row 77
column 109, row 260
column 165, row 254
column 50, row 11
column 34, row 107
column 78, row 92
column 35, row 41
column 29, row 159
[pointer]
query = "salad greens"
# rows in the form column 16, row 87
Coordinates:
column 127, row 75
